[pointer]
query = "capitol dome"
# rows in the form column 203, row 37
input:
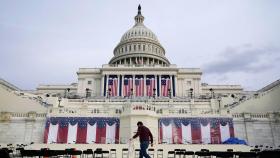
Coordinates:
column 139, row 46
column 139, row 31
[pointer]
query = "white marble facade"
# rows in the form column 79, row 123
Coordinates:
column 139, row 57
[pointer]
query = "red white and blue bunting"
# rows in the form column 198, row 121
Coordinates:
column 196, row 130
column 82, row 130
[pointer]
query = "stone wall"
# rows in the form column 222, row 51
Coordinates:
column 264, row 130
column 22, row 131
column 260, row 102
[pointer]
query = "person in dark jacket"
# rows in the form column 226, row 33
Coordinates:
column 145, row 136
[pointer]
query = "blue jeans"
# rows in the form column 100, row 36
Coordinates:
column 143, row 149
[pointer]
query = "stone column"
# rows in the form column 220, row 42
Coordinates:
column 171, row 85
column 102, row 85
column 118, row 85
column 145, row 88
column 122, row 85
column 107, row 84
column 175, row 86
column 134, row 87
column 159, row 85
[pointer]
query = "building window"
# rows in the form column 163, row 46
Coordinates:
column 134, row 47
column 143, row 47
column 126, row 49
column 129, row 47
column 89, row 82
column 139, row 47
column 122, row 50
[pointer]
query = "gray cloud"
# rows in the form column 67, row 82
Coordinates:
column 245, row 58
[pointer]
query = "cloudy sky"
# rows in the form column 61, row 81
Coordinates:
column 232, row 41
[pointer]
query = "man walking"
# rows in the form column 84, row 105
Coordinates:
column 145, row 136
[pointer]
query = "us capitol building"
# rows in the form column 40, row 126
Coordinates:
column 139, row 84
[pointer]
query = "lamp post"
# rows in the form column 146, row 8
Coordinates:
column 212, row 93
column 87, row 92
column 219, row 101
column 131, row 92
column 109, row 93
column 154, row 93
column 191, row 92
column 169, row 93
column 68, row 91
column 59, row 100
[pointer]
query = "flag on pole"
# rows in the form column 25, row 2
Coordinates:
column 128, row 84
column 165, row 85
column 113, row 85
column 150, row 85
column 139, row 85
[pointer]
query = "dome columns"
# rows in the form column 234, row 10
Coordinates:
column 139, row 60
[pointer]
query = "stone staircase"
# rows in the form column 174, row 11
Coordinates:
column 266, row 99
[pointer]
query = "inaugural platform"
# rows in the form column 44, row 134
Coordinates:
column 139, row 83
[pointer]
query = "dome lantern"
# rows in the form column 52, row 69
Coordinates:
column 139, row 18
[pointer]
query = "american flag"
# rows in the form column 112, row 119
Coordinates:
column 165, row 85
column 138, row 61
column 139, row 85
column 150, row 85
column 113, row 85
column 128, row 84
